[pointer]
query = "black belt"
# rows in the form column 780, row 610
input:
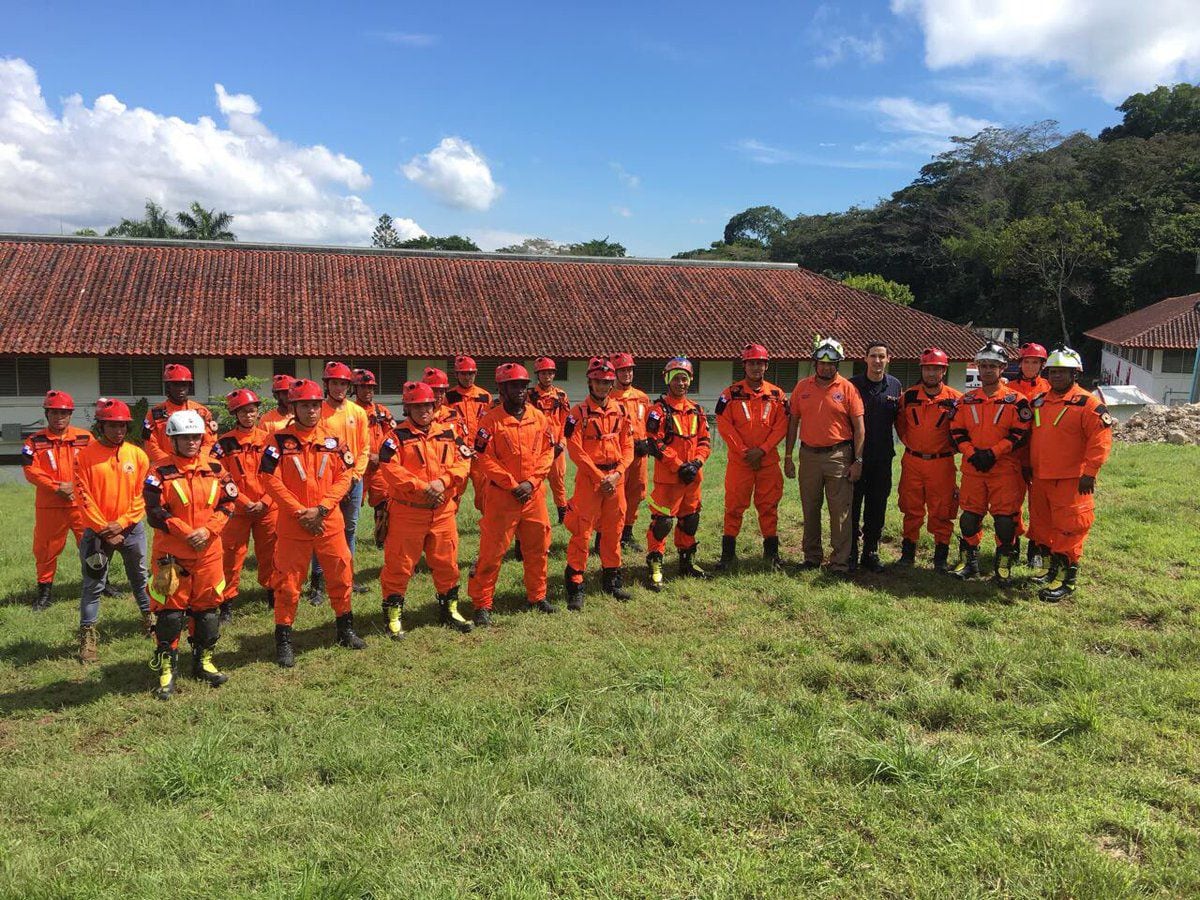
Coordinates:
column 945, row 455
column 606, row 467
column 838, row 446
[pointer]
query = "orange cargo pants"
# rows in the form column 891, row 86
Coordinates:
column 1069, row 514
column 999, row 493
column 503, row 517
column 635, row 487
column 201, row 584
column 293, row 555
column 673, row 500
column 236, row 540
column 50, row 527
column 764, row 484
column 558, row 479
column 411, row 532
column 590, row 511
column 928, row 486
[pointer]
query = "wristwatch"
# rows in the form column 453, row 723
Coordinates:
column 323, row 511
column 858, row 459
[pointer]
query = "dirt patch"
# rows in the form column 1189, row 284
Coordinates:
column 1122, row 848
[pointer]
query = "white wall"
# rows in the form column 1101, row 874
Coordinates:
column 1152, row 382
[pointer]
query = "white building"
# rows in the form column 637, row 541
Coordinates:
column 1153, row 349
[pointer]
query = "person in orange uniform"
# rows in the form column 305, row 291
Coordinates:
column 109, row 473
column 239, row 450
column 928, row 475
column 472, row 403
column 443, row 412
column 826, row 410
column 677, row 430
column 991, row 423
column 178, row 383
column 1030, row 383
column 1071, row 439
column 380, row 423
column 555, row 406
column 280, row 417
column 48, row 463
column 599, row 439
column 514, row 449
column 752, row 419
column 307, row 469
column 423, row 464
column 189, row 500
column 637, row 405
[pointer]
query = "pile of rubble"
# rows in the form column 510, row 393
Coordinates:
column 1161, row 424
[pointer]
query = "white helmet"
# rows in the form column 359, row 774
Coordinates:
column 1064, row 358
column 828, row 350
column 186, row 421
column 992, row 352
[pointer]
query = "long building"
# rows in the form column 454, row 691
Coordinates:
column 100, row 316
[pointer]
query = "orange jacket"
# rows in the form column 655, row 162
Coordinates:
column 306, row 467
column 273, row 420
column 451, row 417
column 1072, row 434
column 999, row 423
column 554, row 404
column 599, row 438
column 349, row 422
column 678, row 433
column 749, row 418
column 240, row 450
column 108, row 484
column 637, row 404
column 154, row 429
column 511, row 450
column 472, row 405
column 183, row 495
column 1029, row 389
column 409, row 459
column 923, row 422
column 48, row 459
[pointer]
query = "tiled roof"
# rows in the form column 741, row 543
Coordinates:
column 94, row 297
column 1171, row 324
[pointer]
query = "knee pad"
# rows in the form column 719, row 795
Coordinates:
column 1006, row 528
column 690, row 523
column 970, row 523
column 207, row 628
column 660, row 526
column 168, row 625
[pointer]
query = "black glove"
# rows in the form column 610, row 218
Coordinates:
column 1087, row 484
column 641, row 448
column 688, row 473
column 983, row 460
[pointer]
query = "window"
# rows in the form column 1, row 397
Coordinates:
column 784, row 373
column 235, row 368
column 907, row 373
column 24, row 376
column 139, row 376
column 280, row 366
column 1178, row 362
column 390, row 373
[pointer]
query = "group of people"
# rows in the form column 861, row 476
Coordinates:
column 294, row 480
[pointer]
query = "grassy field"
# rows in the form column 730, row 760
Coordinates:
column 751, row 736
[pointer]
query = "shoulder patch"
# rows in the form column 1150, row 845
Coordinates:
column 722, row 402
column 1024, row 413
column 231, row 490
column 153, row 481
column 159, row 413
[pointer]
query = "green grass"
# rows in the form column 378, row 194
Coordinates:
column 756, row 735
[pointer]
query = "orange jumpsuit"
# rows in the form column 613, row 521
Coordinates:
column 508, row 451
column 999, row 423
column 379, row 425
column 554, row 404
column 1029, row 389
column 747, row 418
column 273, row 421
column 678, row 433
column 302, row 468
column 409, row 459
column 1072, row 437
column 600, row 442
column 928, row 475
column 182, row 495
column 472, row 405
column 48, row 460
column 637, row 405
column 154, row 429
column 240, row 450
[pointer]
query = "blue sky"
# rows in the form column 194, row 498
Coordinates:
column 649, row 123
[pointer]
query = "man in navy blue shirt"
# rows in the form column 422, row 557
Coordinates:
column 881, row 397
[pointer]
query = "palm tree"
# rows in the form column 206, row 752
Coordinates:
column 154, row 224
column 206, row 224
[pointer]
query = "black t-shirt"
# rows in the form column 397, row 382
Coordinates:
column 880, row 399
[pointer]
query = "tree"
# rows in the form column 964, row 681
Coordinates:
column 385, row 235
column 205, row 224
column 1173, row 110
column 154, row 224
column 428, row 242
column 85, row 232
column 758, row 224
column 535, row 247
column 596, row 247
column 900, row 294
column 739, row 251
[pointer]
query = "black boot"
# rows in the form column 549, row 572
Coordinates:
column 1057, row 561
column 688, row 567
column 356, row 588
column 544, row 606
column 728, row 560
column 226, row 612
column 208, row 629
column 483, row 618
column 613, row 584
column 393, row 610
column 285, row 656
column 316, row 590
column 941, row 556
column 908, row 554
column 270, row 599
column 1006, row 557
column 771, row 553
column 654, row 574
column 42, row 601
column 345, row 632
column 573, row 584
column 1066, row 589
column 627, row 541
column 562, row 513
column 448, row 604
column 166, row 663
column 871, row 562
column 968, row 566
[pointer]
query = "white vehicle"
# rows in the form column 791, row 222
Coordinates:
column 973, row 378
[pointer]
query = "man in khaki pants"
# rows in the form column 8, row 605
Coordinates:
column 827, row 412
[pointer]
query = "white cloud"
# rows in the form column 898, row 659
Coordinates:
column 633, row 182
column 91, row 166
column 623, row 211
column 924, row 127
column 764, row 154
column 835, row 44
column 491, row 238
column 456, row 174
column 767, row 155
column 407, row 38
column 1117, row 46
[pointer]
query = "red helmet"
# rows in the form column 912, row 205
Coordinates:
column 601, row 369
column 304, row 389
column 58, row 400
column 235, row 400
column 282, row 383
column 435, row 378
column 337, row 370
column 755, row 351
column 544, row 364
column 1031, row 350
column 176, row 372
column 365, row 377
column 679, row 364
column 621, row 360
column 511, row 372
column 417, row 392
column 465, row 364
column 932, row 356
column 112, row 411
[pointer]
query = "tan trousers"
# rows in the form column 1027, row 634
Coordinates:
column 823, row 477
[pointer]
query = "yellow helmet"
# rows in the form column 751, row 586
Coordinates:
column 1064, row 358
